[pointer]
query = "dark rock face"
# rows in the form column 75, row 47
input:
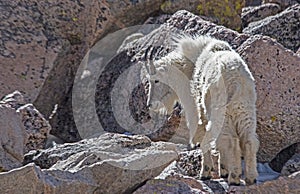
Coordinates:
column 284, row 27
column 283, row 3
column 292, row 165
column 253, row 3
column 252, row 14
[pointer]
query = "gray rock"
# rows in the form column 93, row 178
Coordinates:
column 293, row 165
column 12, row 139
column 111, row 163
column 290, row 184
column 37, row 127
column 283, row 3
column 31, row 179
column 276, row 71
column 284, row 27
column 165, row 186
column 120, row 146
column 13, row 100
column 252, row 14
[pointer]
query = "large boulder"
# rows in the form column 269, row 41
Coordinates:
column 290, row 184
column 276, row 71
column 36, row 126
column 12, row 139
column 111, row 163
column 284, row 27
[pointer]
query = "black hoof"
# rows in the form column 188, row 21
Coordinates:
column 224, row 176
column 205, row 178
column 234, row 184
column 248, row 182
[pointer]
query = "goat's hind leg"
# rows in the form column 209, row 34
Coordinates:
column 223, row 161
column 250, row 150
column 206, row 165
column 249, row 145
column 230, row 158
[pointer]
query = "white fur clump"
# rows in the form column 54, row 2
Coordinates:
column 217, row 90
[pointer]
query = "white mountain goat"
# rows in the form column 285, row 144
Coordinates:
column 216, row 89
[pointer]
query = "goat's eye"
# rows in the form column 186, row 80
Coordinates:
column 156, row 81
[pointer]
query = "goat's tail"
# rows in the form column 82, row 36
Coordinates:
column 191, row 46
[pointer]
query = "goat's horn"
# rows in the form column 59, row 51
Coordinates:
column 152, row 69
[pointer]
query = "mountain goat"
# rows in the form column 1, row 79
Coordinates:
column 217, row 90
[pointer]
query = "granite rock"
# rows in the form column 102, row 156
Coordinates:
column 111, row 163
column 252, row 14
column 290, row 184
column 37, row 127
column 284, row 27
column 165, row 186
column 12, row 139
column 253, row 3
column 283, row 3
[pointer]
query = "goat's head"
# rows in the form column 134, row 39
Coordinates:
column 160, row 95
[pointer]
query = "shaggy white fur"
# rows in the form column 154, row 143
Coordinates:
column 223, row 91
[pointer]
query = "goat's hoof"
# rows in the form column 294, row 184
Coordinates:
column 234, row 184
column 250, row 182
column 205, row 178
column 224, row 176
